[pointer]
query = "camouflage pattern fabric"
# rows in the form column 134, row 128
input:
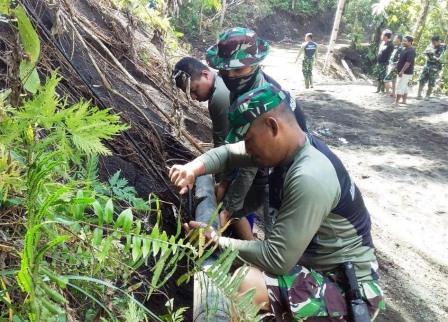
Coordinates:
column 251, row 105
column 237, row 47
column 381, row 71
column 306, row 295
column 391, row 73
column 429, row 75
column 307, row 68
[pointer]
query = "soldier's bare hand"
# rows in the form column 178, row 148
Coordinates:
column 183, row 177
column 210, row 234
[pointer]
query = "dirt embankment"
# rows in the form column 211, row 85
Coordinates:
column 283, row 26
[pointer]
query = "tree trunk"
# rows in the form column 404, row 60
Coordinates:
column 223, row 13
column 334, row 33
column 293, row 4
column 421, row 21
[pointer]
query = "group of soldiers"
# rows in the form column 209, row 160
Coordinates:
column 317, row 260
column 395, row 65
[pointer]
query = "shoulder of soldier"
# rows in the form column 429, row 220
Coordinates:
column 221, row 95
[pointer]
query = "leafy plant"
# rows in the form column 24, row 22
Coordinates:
column 74, row 244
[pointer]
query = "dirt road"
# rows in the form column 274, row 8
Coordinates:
column 399, row 158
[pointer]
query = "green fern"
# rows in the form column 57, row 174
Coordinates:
column 88, row 125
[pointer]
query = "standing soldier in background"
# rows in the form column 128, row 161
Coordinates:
column 309, row 48
column 384, row 52
column 432, row 67
column 391, row 77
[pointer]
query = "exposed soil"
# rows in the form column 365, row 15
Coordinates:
column 285, row 26
column 399, row 158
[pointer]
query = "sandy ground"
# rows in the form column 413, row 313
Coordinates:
column 399, row 158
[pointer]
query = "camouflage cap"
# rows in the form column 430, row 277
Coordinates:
column 251, row 105
column 237, row 47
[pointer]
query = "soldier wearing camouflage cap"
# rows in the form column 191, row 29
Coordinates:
column 237, row 55
column 321, row 223
column 433, row 65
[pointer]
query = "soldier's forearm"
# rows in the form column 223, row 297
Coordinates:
column 405, row 67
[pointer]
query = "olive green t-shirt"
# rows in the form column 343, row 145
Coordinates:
column 311, row 190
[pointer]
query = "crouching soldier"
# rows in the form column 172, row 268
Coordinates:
column 318, row 262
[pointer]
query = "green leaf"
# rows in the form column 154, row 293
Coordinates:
column 155, row 233
column 28, row 36
column 50, row 306
column 127, row 222
column 53, row 294
column 59, row 280
column 99, row 212
column 172, row 241
column 163, row 245
column 97, row 237
column 136, row 248
column 105, row 247
column 29, row 76
column 138, row 227
column 184, row 278
column 4, row 7
column 108, row 212
column 157, row 271
column 146, row 247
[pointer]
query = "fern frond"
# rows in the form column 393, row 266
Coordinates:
column 40, row 109
column 227, row 284
column 88, row 125
column 10, row 175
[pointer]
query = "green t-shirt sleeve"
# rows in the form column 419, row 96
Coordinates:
column 218, row 108
column 305, row 204
column 226, row 157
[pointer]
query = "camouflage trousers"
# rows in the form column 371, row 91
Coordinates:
column 307, row 68
column 391, row 73
column 306, row 295
column 429, row 75
column 380, row 71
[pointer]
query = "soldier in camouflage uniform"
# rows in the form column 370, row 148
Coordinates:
column 237, row 56
column 309, row 49
column 391, row 76
column 322, row 221
column 433, row 66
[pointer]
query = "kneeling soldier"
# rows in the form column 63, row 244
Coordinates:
column 322, row 229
